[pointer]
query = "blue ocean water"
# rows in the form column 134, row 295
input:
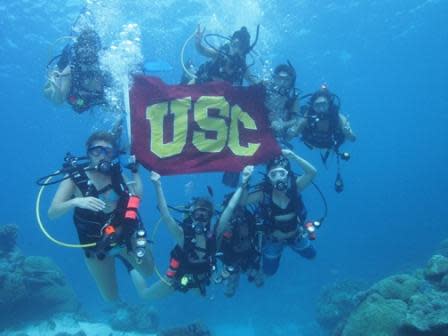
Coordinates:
column 388, row 62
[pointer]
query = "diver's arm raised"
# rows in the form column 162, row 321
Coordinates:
column 175, row 230
column 58, row 85
column 227, row 214
column 309, row 171
column 346, row 129
column 203, row 50
column 138, row 184
column 135, row 184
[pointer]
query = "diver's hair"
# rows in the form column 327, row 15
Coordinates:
column 322, row 92
column 279, row 161
column 332, row 99
column 288, row 69
column 202, row 202
column 102, row 136
column 244, row 37
column 90, row 39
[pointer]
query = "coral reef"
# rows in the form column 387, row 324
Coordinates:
column 376, row 314
column 30, row 287
column 138, row 318
column 195, row 329
column 73, row 324
column 443, row 248
column 336, row 302
column 437, row 268
column 399, row 305
column 69, row 324
column 35, row 299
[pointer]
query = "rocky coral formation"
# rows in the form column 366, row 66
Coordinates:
column 73, row 324
column 336, row 302
column 437, row 268
column 195, row 329
column 69, row 324
column 137, row 318
column 400, row 305
column 443, row 248
column 30, row 287
column 378, row 315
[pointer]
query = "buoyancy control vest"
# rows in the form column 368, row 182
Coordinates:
column 238, row 245
column 286, row 101
column 187, row 270
column 80, row 97
column 90, row 224
column 226, row 67
column 269, row 210
column 329, row 138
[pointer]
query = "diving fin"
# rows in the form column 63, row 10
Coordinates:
column 231, row 179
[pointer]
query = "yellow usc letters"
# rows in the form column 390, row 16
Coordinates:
column 225, row 136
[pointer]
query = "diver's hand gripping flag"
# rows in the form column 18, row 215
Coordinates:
column 197, row 128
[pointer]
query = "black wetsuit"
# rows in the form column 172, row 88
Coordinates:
column 187, row 270
column 226, row 67
column 330, row 138
column 270, row 210
column 81, row 97
column 272, row 247
column 239, row 244
column 90, row 224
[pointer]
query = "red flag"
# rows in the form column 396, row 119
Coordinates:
column 196, row 128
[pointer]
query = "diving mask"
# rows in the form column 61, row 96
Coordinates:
column 201, row 218
column 321, row 105
column 282, row 84
column 279, row 178
column 200, row 214
column 108, row 152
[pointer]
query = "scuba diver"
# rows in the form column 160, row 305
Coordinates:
column 238, row 241
column 281, row 208
column 228, row 62
column 77, row 78
column 283, row 104
column 106, row 216
column 323, row 126
column 192, row 260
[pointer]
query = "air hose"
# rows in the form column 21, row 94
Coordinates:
column 153, row 235
column 42, row 227
column 182, row 56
